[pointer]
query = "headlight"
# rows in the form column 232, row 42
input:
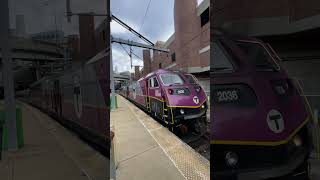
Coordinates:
column 297, row 140
column 231, row 159
column 202, row 106
column 181, row 111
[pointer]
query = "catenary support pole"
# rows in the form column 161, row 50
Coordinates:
column 8, row 79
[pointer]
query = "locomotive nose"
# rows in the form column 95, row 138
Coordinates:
column 186, row 96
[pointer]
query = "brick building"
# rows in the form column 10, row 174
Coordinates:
column 189, row 45
column 90, row 40
column 292, row 27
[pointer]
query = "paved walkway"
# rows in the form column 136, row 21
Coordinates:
column 145, row 149
column 51, row 153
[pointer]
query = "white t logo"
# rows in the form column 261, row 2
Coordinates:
column 196, row 100
column 275, row 121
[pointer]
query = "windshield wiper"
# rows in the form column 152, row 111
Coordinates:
column 174, row 84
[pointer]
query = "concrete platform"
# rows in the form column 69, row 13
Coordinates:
column 144, row 149
column 51, row 152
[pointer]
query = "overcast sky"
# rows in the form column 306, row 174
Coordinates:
column 40, row 14
column 158, row 25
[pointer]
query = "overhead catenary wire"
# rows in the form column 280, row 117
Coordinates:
column 137, row 56
column 145, row 15
column 137, row 33
column 132, row 30
column 130, row 54
column 125, row 50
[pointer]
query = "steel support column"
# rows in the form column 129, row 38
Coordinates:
column 8, row 79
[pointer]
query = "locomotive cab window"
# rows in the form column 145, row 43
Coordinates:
column 153, row 82
column 258, row 55
column 190, row 79
column 220, row 59
column 171, row 79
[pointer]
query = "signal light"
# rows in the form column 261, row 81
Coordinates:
column 170, row 91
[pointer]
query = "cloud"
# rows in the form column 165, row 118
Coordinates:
column 117, row 29
column 166, row 35
column 121, row 60
column 158, row 25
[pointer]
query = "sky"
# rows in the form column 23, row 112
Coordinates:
column 158, row 25
column 40, row 15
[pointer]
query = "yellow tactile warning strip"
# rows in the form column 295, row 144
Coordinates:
column 190, row 163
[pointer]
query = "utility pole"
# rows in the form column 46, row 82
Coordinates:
column 109, row 16
column 8, row 80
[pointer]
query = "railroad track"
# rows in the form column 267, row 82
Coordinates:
column 202, row 145
column 198, row 141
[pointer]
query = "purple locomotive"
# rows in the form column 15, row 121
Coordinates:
column 175, row 98
column 79, row 99
column 259, row 126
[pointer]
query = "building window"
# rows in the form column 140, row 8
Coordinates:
column 204, row 17
column 160, row 65
column 173, row 57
